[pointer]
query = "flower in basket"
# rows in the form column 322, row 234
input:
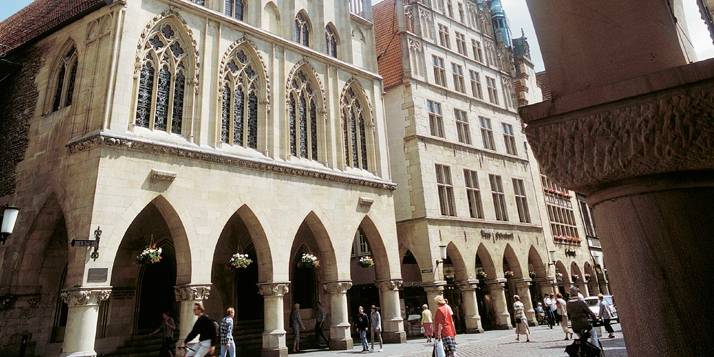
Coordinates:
column 308, row 260
column 481, row 275
column 150, row 255
column 575, row 277
column 559, row 276
column 366, row 261
column 532, row 274
column 239, row 261
column 586, row 276
column 508, row 274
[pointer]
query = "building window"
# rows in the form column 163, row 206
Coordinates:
column 491, row 88
column 302, row 117
column 439, row 71
column 234, row 9
column 462, row 126
column 499, row 197
column 440, row 5
column 450, row 9
column 331, row 40
column 473, row 194
column 560, row 212
column 458, row 73
column 587, row 218
column 487, row 133
column 354, row 130
column 444, row 36
column 478, row 51
column 65, row 80
column 162, row 82
column 436, row 121
column 461, row 43
column 476, row 89
column 302, row 29
column 509, row 139
column 461, row 12
column 239, row 111
column 409, row 15
column 360, row 246
column 446, row 190
column 521, row 201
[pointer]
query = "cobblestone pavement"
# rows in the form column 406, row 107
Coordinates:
column 544, row 342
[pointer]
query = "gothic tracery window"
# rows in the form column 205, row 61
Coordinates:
column 234, row 9
column 65, row 80
column 354, row 130
column 302, row 118
column 331, row 41
column 239, row 107
column 162, row 82
column 302, row 29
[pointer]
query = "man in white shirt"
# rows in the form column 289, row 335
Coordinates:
column 548, row 303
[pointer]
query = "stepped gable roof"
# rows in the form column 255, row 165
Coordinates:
column 40, row 18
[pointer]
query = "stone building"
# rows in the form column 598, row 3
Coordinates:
column 467, row 183
column 204, row 128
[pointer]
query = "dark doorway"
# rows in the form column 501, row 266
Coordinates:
column 453, row 294
column 483, row 307
column 249, row 302
column 304, row 283
column 156, row 290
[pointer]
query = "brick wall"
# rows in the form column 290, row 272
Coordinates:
column 387, row 36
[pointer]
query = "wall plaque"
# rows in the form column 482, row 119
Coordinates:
column 97, row 275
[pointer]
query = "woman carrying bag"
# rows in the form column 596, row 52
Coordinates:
column 445, row 345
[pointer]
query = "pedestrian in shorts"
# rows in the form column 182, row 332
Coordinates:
column 444, row 327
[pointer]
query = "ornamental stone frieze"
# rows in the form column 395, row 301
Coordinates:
column 337, row 287
column 467, row 285
column 393, row 284
column 498, row 282
column 434, row 287
column 274, row 289
column 192, row 292
column 85, row 296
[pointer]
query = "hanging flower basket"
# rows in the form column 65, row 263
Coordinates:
column 150, row 255
column 532, row 274
column 508, row 274
column 481, row 275
column 559, row 276
column 587, row 277
column 366, row 261
column 239, row 261
column 308, row 260
column 575, row 277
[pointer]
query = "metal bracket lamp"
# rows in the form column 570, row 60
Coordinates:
column 442, row 251
column 9, row 218
column 94, row 243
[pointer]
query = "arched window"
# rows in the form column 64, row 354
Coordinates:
column 331, row 40
column 354, row 130
column 162, row 82
column 239, row 110
column 302, row 29
column 64, row 80
column 302, row 117
column 234, row 9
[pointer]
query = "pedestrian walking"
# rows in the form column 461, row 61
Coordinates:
column 297, row 325
column 375, row 319
column 426, row 322
column 563, row 315
column 579, row 313
column 320, row 317
column 548, row 301
column 228, row 346
column 362, row 326
column 207, row 331
column 605, row 315
column 540, row 313
column 167, row 329
column 521, row 320
column 444, row 325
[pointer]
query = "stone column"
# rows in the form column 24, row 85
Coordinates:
column 545, row 285
column 82, row 318
column 274, row 319
column 498, row 295
column 340, row 336
column 524, row 292
column 468, row 299
column 187, row 295
column 392, row 321
column 593, row 285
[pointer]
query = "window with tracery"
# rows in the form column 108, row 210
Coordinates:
column 239, row 105
column 331, row 41
column 234, row 9
column 302, row 118
column 162, row 82
column 354, row 123
column 64, row 82
column 302, row 29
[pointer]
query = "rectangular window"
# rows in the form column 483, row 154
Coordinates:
column 439, row 71
column 473, row 194
column 478, row 50
column 487, row 133
column 436, row 121
column 458, row 72
column 461, row 43
column 476, row 89
column 509, row 139
column 462, row 126
column 444, row 36
column 491, row 88
column 521, row 201
column 560, row 212
column 588, row 222
column 446, row 190
column 499, row 197
column 461, row 12
column 450, row 9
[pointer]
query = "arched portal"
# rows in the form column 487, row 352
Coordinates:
column 454, row 272
column 511, row 270
column 562, row 278
column 537, row 271
column 590, row 278
column 576, row 276
column 412, row 293
column 485, row 270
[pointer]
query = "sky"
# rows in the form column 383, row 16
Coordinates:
column 519, row 18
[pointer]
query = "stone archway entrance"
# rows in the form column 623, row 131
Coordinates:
column 155, row 290
column 413, row 295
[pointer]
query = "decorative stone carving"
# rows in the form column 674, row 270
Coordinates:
column 337, row 287
column 99, row 27
column 85, row 296
column 357, row 87
column 659, row 132
column 394, row 284
column 192, row 292
column 310, row 69
column 414, row 44
column 274, row 289
column 162, row 176
column 253, row 51
column 466, row 285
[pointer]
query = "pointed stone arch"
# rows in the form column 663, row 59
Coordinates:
column 256, row 58
column 457, row 261
column 535, row 263
column 356, row 127
column 510, row 257
column 313, row 76
column 306, row 124
column 63, row 74
column 257, row 238
column 376, row 245
column 484, row 257
column 575, row 271
column 271, row 17
column 328, row 262
column 560, row 268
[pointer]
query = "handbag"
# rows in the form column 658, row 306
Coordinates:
column 438, row 349
column 518, row 320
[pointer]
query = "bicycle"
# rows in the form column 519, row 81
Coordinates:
column 583, row 348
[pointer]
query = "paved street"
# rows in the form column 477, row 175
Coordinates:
column 544, row 342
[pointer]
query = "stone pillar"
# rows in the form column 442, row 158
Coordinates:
column 524, row 292
column 433, row 290
column 274, row 319
column 340, row 336
column 82, row 318
column 593, row 285
column 392, row 321
column 545, row 286
column 468, row 299
column 187, row 295
column 498, row 296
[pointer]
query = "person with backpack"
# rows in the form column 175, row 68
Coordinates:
column 207, row 331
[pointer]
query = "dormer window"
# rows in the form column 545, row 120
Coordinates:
column 302, row 29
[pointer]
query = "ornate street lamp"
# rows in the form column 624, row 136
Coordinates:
column 9, row 217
